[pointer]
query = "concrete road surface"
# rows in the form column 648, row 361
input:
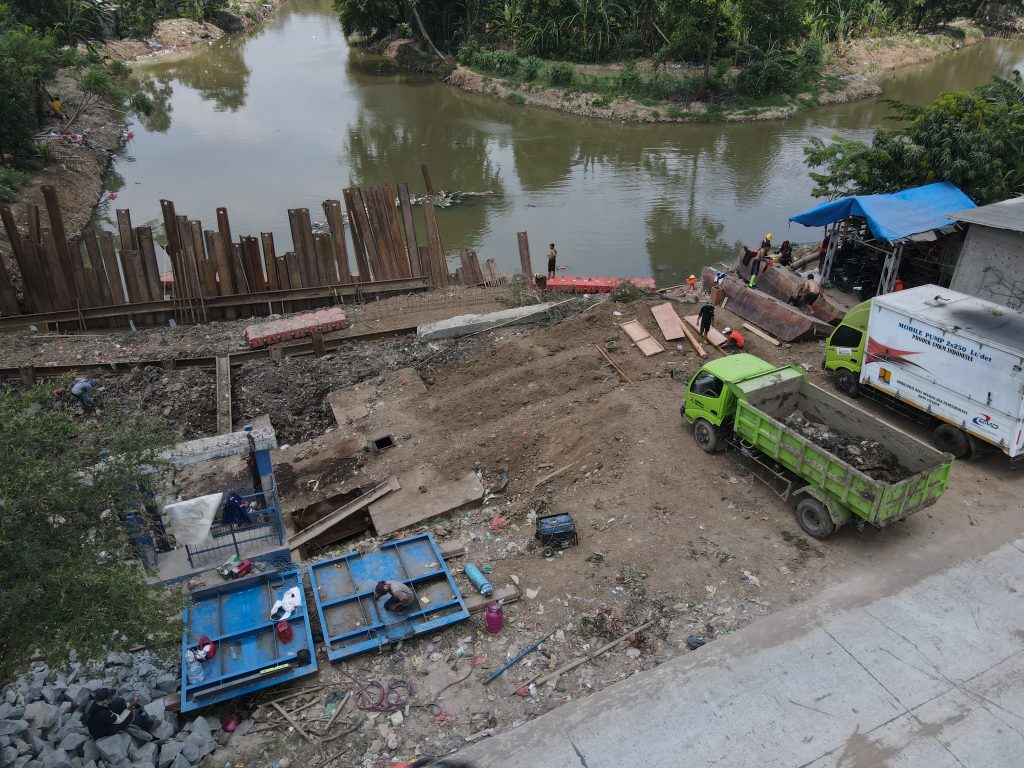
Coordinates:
column 930, row 675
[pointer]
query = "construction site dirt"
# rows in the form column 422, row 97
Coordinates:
column 667, row 533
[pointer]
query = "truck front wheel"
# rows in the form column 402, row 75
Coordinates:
column 815, row 520
column 949, row 439
column 707, row 435
column 846, row 382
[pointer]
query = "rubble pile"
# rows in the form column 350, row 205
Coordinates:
column 42, row 723
column 869, row 456
column 184, row 398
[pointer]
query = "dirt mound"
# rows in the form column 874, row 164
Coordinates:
column 183, row 398
column 178, row 33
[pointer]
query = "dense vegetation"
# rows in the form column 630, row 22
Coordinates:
column 777, row 44
column 37, row 41
column 973, row 139
column 69, row 578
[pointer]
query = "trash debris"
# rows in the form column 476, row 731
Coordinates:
column 693, row 642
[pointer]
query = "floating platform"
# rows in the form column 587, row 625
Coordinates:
column 572, row 284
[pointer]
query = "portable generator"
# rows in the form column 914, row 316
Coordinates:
column 556, row 532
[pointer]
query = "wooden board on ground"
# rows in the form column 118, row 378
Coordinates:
column 342, row 513
column 476, row 603
column 643, row 340
column 714, row 336
column 668, row 321
column 424, row 494
column 349, row 405
column 758, row 332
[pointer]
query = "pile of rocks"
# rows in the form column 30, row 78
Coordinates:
column 42, row 724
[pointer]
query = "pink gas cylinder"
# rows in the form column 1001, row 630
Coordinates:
column 494, row 618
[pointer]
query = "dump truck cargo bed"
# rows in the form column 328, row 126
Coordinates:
column 766, row 402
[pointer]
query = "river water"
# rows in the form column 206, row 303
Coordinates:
column 288, row 115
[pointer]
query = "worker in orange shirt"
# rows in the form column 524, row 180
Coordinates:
column 733, row 338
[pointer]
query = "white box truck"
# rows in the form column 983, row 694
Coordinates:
column 956, row 358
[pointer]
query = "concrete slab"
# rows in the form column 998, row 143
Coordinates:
column 352, row 405
column 424, row 494
column 218, row 447
column 463, row 325
column 930, row 675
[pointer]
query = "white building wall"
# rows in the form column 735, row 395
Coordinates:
column 991, row 266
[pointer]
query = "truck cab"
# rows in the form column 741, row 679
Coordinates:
column 710, row 400
column 844, row 349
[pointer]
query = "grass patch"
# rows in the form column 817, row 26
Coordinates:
column 515, row 98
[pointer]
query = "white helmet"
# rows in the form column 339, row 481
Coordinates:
column 727, row 330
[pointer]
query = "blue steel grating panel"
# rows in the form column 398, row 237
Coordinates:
column 250, row 656
column 343, row 590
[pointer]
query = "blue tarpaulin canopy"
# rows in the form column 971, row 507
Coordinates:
column 894, row 216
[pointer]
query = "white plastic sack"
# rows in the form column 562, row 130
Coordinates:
column 190, row 520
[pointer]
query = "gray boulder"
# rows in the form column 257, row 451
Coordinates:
column 138, row 733
column 13, row 727
column 40, row 716
column 145, row 755
column 73, row 741
column 78, row 695
column 114, row 748
column 8, row 755
column 55, row 758
column 11, row 711
column 168, row 752
column 51, row 694
column 156, row 709
column 167, row 683
column 181, row 762
column 163, row 730
column 90, row 752
column 118, row 660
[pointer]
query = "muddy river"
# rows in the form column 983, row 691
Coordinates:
column 290, row 114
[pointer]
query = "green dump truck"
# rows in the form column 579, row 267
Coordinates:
column 794, row 433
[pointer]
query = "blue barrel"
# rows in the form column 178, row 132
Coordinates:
column 479, row 580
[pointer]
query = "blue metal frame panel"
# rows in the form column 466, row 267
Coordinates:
column 351, row 620
column 250, row 656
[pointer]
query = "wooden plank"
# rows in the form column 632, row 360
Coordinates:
column 63, row 291
column 362, row 265
column 33, row 284
column 216, row 246
column 170, row 229
column 425, row 268
column 294, row 273
column 695, row 342
column 325, row 263
column 243, row 282
column 468, row 277
column 425, row 494
column 8, row 298
column 643, row 340
column 109, row 255
column 438, row 265
column 363, row 225
column 130, row 278
column 524, row 254
column 223, row 395
column 339, row 515
column 478, row 273
column 270, row 260
column 715, row 336
column 426, row 179
column 254, row 261
column 606, row 356
column 60, row 238
column 668, row 321
column 309, row 248
column 298, row 258
column 92, row 249
column 319, row 350
column 150, row 268
column 373, row 234
column 766, row 336
column 332, row 212
column 402, row 257
column 476, row 603
column 124, row 229
column 90, row 278
column 411, row 245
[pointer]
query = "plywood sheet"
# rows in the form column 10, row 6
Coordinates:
column 643, row 340
column 424, row 494
column 668, row 321
column 714, row 336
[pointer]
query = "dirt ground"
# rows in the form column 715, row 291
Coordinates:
column 667, row 533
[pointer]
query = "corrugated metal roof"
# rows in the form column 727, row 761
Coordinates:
column 1009, row 214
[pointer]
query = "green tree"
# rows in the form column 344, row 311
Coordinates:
column 69, row 578
column 107, row 82
column 771, row 21
column 973, row 140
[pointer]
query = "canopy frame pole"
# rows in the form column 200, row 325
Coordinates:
column 890, row 270
column 830, row 253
